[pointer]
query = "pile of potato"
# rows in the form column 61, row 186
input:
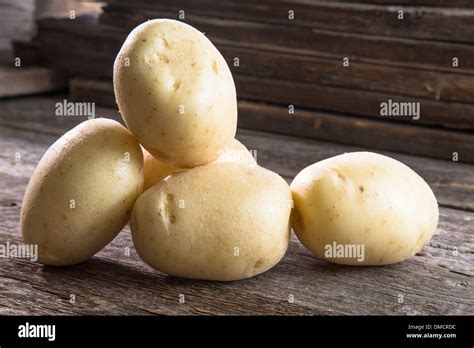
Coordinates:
column 199, row 206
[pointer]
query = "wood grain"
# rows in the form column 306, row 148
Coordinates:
column 434, row 3
column 352, row 101
column 356, row 131
column 312, row 41
column 314, row 96
column 24, row 81
column 452, row 182
column 100, row 43
column 17, row 20
column 448, row 24
column 436, row 281
column 380, row 134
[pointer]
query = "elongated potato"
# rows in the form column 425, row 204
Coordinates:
column 363, row 208
column 175, row 92
column 82, row 192
column 220, row 221
column 155, row 170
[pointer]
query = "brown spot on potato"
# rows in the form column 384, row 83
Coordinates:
column 165, row 42
column 214, row 67
column 172, row 219
column 258, row 264
column 176, row 85
column 338, row 173
column 361, row 189
column 170, row 196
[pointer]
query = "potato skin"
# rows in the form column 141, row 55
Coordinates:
column 190, row 224
column 177, row 95
column 363, row 198
column 155, row 170
column 89, row 165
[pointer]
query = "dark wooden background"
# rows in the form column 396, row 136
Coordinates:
column 337, row 109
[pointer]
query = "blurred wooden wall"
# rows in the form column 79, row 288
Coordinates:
column 318, row 69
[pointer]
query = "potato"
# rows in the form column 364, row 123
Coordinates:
column 236, row 152
column 155, row 170
column 363, row 208
column 221, row 221
column 82, row 192
column 175, row 93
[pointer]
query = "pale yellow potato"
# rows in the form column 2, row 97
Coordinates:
column 236, row 152
column 82, row 192
column 375, row 209
column 220, row 221
column 155, row 170
column 175, row 93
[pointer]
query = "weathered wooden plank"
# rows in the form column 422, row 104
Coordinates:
column 358, row 75
column 6, row 57
column 313, row 41
column 435, row 3
column 17, row 20
column 449, row 24
column 379, row 134
column 28, row 52
column 452, row 182
column 356, row 131
column 99, row 91
column 352, row 101
column 313, row 96
column 114, row 282
column 24, row 81
column 436, row 85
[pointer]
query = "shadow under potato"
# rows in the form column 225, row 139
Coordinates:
column 104, row 271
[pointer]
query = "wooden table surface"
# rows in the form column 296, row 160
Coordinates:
column 438, row 280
